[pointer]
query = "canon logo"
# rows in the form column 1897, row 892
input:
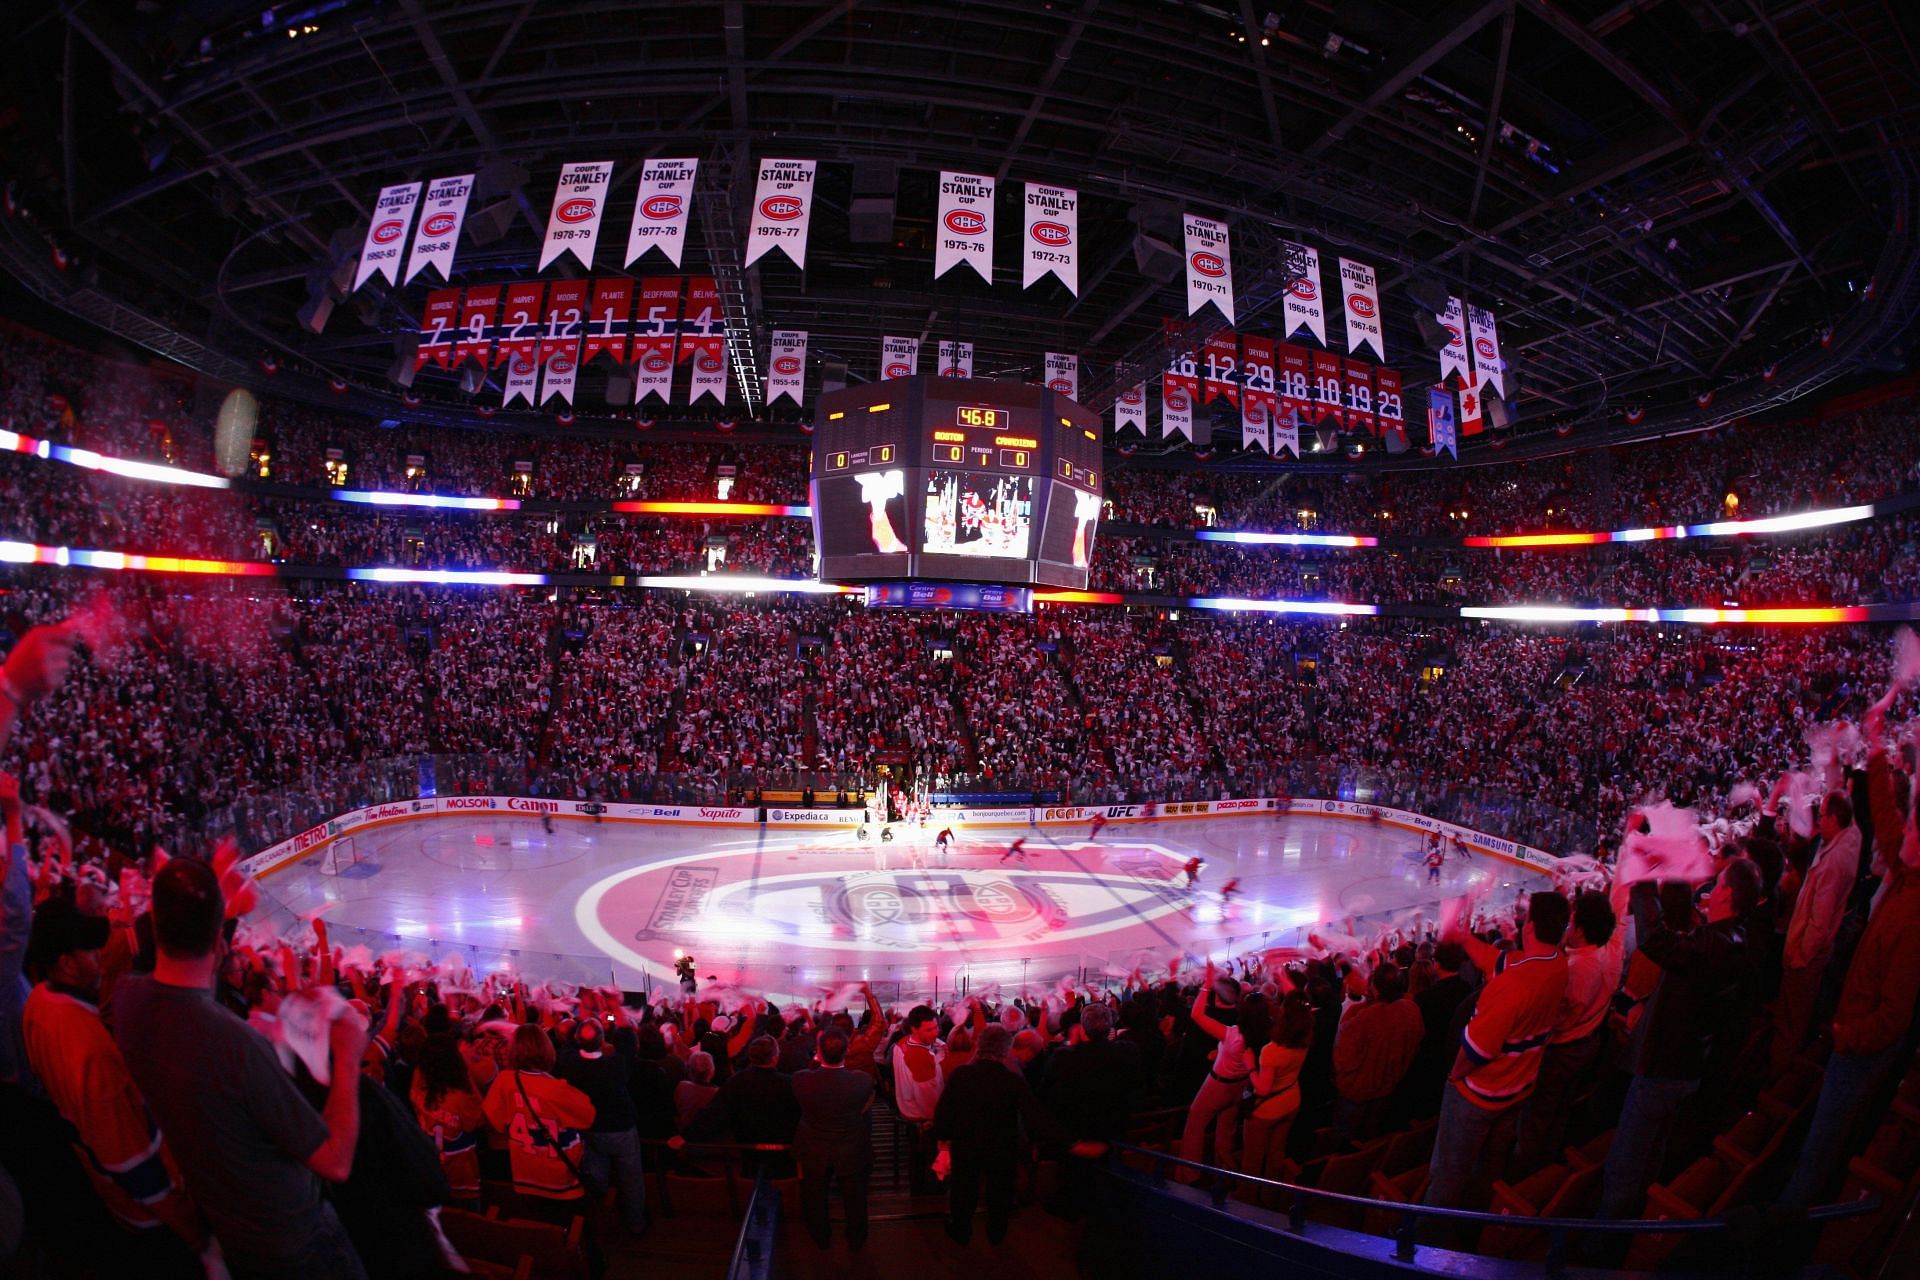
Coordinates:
column 781, row 208
column 1209, row 264
column 898, row 371
column 660, row 208
column 655, row 362
column 576, row 210
column 1304, row 289
column 786, row 364
column 965, row 222
column 438, row 224
column 1361, row 305
column 388, row 232
column 518, row 805
column 1051, row 233
column 1484, row 347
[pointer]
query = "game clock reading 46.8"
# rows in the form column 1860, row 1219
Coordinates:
column 969, row 415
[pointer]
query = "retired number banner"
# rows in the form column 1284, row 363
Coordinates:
column 1387, row 404
column 607, row 322
column 436, row 328
column 441, row 213
column 1329, row 390
column 1179, row 388
column 520, row 322
column 1221, row 357
column 656, row 325
column 704, row 340
column 566, row 304
column 660, row 211
column 1258, row 402
column 1359, row 396
column 1295, row 368
column 477, row 315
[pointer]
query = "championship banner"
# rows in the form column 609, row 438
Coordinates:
column 656, row 324
column 1179, row 387
column 1303, row 303
column 1387, row 405
column 782, row 209
column 441, row 213
column 436, row 328
column 566, row 303
column 1209, row 265
column 899, row 358
column 1329, row 390
column 1471, row 423
column 704, row 341
column 558, row 375
column 1220, row 357
column 477, row 315
column 660, row 211
column 956, row 360
column 579, row 201
column 1286, row 433
column 1440, row 421
column 1360, row 397
column 1294, row 366
column 1130, row 409
column 965, row 233
column 1258, row 403
column 1453, row 356
column 1052, row 239
column 787, row 366
column 1063, row 374
column 1360, row 295
column 386, row 232
column 519, row 329
column 523, row 376
column 607, row 321
column 1487, row 364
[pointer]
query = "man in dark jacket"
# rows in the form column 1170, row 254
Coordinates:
column 754, row 1106
column 1701, row 1004
column 611, row 1152
column 834, row 1139
column 1092, row 1087
column 977, row 1124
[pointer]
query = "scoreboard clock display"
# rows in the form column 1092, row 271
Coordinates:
column 955, row 479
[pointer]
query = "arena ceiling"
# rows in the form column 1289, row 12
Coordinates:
column 1659, row 199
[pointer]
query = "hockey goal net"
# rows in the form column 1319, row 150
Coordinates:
column 339, row 855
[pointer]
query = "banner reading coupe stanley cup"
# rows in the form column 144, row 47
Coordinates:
column 787, row 367
column 660, row 212
column 1453, row 356
column 1051, row 242
column 965, row 229
column 442, row 212
column 956, row 360
column 782, row 210
column 899, row 358
column 579, row 202
column 1130, row 409
column 1063, row 374
column 1209, row 265
column 1487, row 364
column 1360, row 299
column 1303, row 302
column 387, row 233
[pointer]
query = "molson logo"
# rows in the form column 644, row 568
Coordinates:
column 576, row 210
column 1209, row 264
column 1304, row 289
column 388, row 232
column 467, row 802
column 786, row 364
column 1051, row 233
column 965, row 222
column 898, row 371
column 781, row 208
column 1484, row 347
column 1361, row 305
column 660, row 208
column 438, row 224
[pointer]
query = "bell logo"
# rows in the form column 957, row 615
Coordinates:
column 577, row 210
column 781, row 208
column 1361, row 306
column 439, row 224
column 655, row 362
column 1052, row 233
column 1485, row 348
column 1209, row 264
column 965, row 222
column 660, row 208
column 786, row 365
column 388, row 232
column 1304, row 289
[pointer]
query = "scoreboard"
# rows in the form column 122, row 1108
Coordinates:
column 955, row 479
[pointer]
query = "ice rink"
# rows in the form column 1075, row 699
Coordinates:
column 790, row 913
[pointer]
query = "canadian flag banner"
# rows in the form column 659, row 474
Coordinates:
column 387, row 233
column 1360, row 295
column 579, row 201
column 1294, row 366
column 1471, row 423
column 1220, row 356
column 965, row 233
column 560, row 373
column 1359, row 396
column 1130, row 409
column 899, row 358
column 523, row 377
column 1440, row 421
column 566, row 304
column 436, row 328
column 1258, row 402
column 782, row 209
column 1392, row 413
column 1052, row 238
column 956, row 360
column 1487, row 364
column 656, row 328
column 1329, row 390
column 703, row 340
column 1209, row 265
column 1303, row 302
column 1453, row 356
column 787, row 366
column 607, row 321
column 1063, row 374
column 520, row 324
column 660, row 212
column 477, row 315
column 441, row 213
column 1179, row 388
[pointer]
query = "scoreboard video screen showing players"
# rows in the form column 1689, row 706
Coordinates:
column 955, row 479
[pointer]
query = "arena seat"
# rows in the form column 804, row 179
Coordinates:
column 556, row 1252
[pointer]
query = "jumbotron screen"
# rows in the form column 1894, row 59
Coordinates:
column 954, row 479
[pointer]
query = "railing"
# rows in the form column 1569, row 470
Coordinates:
column 1406, row 1236
column 759, row 1232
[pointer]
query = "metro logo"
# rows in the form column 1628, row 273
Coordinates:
column 438, row 224
column 781, row 208
column 786, row 365
column 898, row 371
column 1361, row 305
column 1051, row 233
column 1209, row 264
column 965, row 222
column 661, row 208
column 576, row 210
column 1485, row 348
column 1304, row 289
column 388, row 232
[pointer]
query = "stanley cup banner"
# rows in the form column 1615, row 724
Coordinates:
column 477, row 315
column 566, row 304
column 387, row 234
column 1063, row 374
column 1258, row 402
column 703, row 341
column 441, row 213
column 1303, row 304
column 579, row 202
column 607, row 320
column 1220, row 357
column 965, row 233
column 787, row 366
column 1453, row 356
column 899, row 358
column 782, row 208
column 1052, row 239
column 1209, row 266
column 1360, row 298
column 1487, row 364
column 660, row 212
column 1440, row 421
column 1286, row 433
column 520, row 323
column 523, row 377
column 1130, row 409
column 956, row 360
column 1391, row 412
column 436, row 328
column 656, row 326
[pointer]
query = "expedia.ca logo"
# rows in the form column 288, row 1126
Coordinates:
column 388, row 232
column 1361, row 305
column 660, row 208
column 965, row 222
column 781, row 208
column 1052, row 233
column 438, row 224
column 1209, row 264
column 576, row 211
column 786, row 365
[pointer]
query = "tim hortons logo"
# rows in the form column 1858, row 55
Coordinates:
column 655, row 362
column 899, row 371
column 965, row 222
column 576, row 210
column 661, row 207
column 1209, row 264
column 438, row 224
column 786, row 364
column 1484, row 347
column 388, row 232
column 1177, row 401
column 1304, row 289
column 781, row 208
column 1051, row 233
column 1361, row 305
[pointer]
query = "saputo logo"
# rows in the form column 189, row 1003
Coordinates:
column 1209, row 264
column 965, row 222
column 660, row 208
column 577, row 210
column 388, row 232
column 439, row 224
column 1052, row 233
column 721, row 813
column 781, row 208
column 786, row 365
column 1362, row 306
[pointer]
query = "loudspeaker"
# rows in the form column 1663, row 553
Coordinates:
column 405, row 347
column 1428, row 294
column 1433, row 334
column 315, row 313
column 620, row 388
column 1156, row 259
column 870, row 210
column 833, row 376
column 1499, row 413
column 486, row 225
column 472, row 378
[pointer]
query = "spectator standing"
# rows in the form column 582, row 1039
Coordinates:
column 1276, row 1089
column 1092, row 1087
column 1593, row 975
column 755, row 1106
column 1378, row 1041
column 1215, row 1110
column 834, row 1139
column 543, row 1118
column 611, row 1154
column 977, row 1124
column 917, row 1086
column 1815, row 923
column 448, row 1109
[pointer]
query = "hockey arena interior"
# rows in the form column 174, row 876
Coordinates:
column 774, row 639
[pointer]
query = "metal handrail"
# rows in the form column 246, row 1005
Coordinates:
column 750, row 1258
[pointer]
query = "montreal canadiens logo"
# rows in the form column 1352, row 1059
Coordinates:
column 1305, row 290
column 523, row 366
column 661, row 208
column 965, row 222
column 1131, row 397
column 655, row 362
column 576, row 210
column 955, row 372
column 898, row 371
column 1209, row 264
column 1060, row 384
column 561, row 366
column 1256, row 415
column 1177, row 401
column 438, row 224
column 781, row 208
column 1484, row 347
column 388, row 232
column 1361, row 305
column 1051, row 233
column 708, row 363
column 786, row 364
column 1453, row 335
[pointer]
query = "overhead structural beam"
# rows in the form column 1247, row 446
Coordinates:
column 821, row 22
column 1062, row 53
column 1492, row 128
column 1257, row 55
column 1441, row 36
